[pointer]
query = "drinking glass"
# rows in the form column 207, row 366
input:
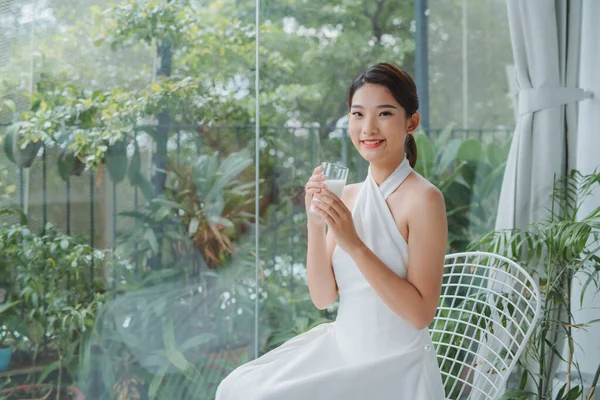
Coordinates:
column 336, row 179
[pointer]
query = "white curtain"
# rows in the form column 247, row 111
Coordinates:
column 587, row 350
column 546, row 68
column 545, row 36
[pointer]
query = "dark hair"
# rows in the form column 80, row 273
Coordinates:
column 401, row 86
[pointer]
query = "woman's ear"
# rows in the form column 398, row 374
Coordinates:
column 413, row 122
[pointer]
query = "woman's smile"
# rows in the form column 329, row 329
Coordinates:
column 371, row 144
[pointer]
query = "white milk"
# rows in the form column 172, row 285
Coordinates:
column 334, row 185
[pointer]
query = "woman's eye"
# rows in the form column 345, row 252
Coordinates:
column 386, row 113
column 357, row 114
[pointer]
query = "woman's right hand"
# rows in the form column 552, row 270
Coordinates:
column 314, row 185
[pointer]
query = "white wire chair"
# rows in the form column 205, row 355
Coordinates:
column 488, row 310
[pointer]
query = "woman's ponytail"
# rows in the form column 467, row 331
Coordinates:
column 410, row 147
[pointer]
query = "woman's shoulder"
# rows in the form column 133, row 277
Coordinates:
column 423, row 192
column 416, row 192
column 421, row 183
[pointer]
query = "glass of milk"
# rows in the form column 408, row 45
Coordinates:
column 336, row 179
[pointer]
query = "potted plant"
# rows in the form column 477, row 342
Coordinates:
column 6, row 335
column 554, row 250
column 56, row 319
column 69, row 164
column 19, row 150
column 7, row 302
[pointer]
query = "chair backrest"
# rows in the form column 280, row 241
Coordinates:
column 488, row 310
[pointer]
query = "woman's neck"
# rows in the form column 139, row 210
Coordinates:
column 381, row 171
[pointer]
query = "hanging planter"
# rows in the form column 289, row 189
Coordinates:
column 134, row 173
column 22, row 156
column 116, row 160
column 68, row 164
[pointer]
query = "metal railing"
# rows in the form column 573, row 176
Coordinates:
column 292, row 150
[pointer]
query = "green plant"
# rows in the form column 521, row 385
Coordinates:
column 554, row 250
column 469, row 174
column 171, row 340
column 50, row 278
column 8, row 301
column 454, row 330
column 213, row 202
column 193, row 225
column 286, row 309
column 7, row 337
column 87, row 122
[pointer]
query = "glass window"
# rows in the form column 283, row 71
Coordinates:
column 129, row 265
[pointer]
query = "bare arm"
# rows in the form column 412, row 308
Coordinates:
column 319, row 269
column 415, row 298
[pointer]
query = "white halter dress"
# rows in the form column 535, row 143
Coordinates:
column 369, row 352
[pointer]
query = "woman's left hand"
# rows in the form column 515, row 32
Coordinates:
column 338, row 218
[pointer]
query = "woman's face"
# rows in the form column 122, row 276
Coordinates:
column 378, row 125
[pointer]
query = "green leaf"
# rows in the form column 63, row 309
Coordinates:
column 10, row 105
column 458, row 195
column 469, row 173
column 591, row 278
column 162, row 213
column 426, row 159
column 177, row 359
column 151, row 238
column 35, row 105
column 573, row 394
column 8, row 306
column 448, row 156
column 98, row 41
column 497, row 155
column 48, row 370
column 197, row 341
column 470, row 150
column 161, row 275
column 492, row 181
column 157, row 381
column 166, row 203
column 98, row 95
column 146, row 186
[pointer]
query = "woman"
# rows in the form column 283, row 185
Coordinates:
column 384, row 259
